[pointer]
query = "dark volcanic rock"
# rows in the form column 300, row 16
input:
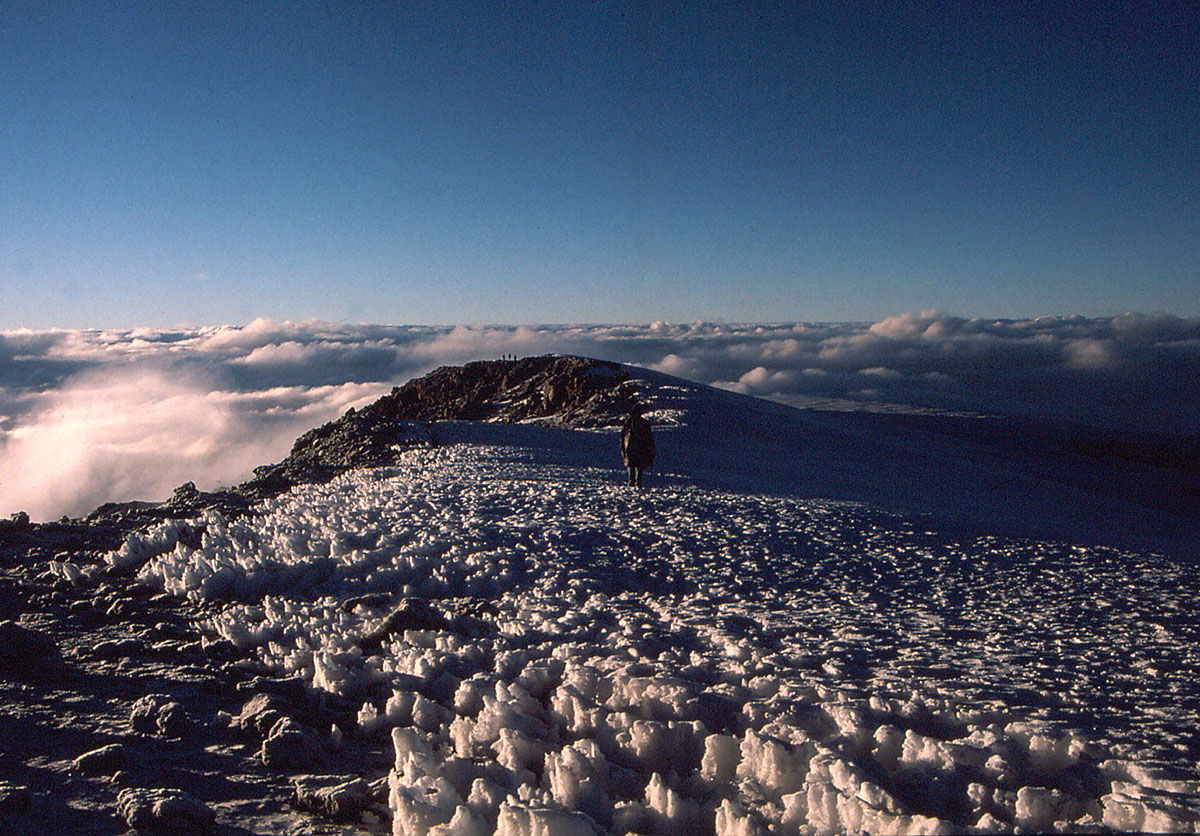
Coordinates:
column 260, row 713
column 103, row 761
column 118, row 648
column 566, row 391
column 24, row 651
column 187, row 501
column 158, row 714
column 290, row 746
column 413, row 614
column 551, row 389
column 164, row 810
column 341, row 799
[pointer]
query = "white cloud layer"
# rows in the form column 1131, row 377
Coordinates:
column 92, row 416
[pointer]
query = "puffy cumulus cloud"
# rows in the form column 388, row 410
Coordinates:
column 255, row 334
column 762, row 381
column 678, row 366
column 91, row 416
column 931, row 324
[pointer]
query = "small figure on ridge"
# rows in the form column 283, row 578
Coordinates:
column 637, row 445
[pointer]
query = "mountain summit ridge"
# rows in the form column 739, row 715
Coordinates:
column 988, row 477
column 551, row 389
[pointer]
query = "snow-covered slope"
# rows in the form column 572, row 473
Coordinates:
column 769, row 638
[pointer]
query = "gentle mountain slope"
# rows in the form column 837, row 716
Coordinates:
column 543, row 649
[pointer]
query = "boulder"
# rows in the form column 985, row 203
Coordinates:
column 107, row 760
column 260, row 714
column 164, row 810
column 118, row 648
column 340, row 799
column 413, row 614
column 159, row 715
column 291, row 747
column 24, row 651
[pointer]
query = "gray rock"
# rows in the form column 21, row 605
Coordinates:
column 106, row 760
column 413, row 614
column 118, row 648
column 159, row 715
column 291, row 747
column 163, row 809
column 288, row 687
column 220, row 649
column 24, row 651
column 337, row 798
column 13, row 798
column 260, row 714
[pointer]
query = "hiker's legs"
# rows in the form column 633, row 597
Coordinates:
column 633, row 474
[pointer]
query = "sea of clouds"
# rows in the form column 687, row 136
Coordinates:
column 92, row 416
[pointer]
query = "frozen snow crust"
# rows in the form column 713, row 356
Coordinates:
column 690, row 660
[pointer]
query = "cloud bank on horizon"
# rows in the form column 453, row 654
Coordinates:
column 93, row 416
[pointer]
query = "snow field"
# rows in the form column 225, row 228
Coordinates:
column 684, row 661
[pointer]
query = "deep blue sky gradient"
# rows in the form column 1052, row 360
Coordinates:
column 164, row 163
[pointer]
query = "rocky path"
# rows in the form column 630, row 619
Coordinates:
column 117, row 716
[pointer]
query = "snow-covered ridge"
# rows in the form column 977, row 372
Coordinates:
column 725, row 652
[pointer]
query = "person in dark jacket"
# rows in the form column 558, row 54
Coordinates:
column 637, row 445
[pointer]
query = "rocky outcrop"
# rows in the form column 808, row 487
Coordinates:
column 563, row 391
column 418, row 614
column 551, row 389
column 568, row 391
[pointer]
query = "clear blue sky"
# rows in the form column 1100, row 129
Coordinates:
column 506, row 162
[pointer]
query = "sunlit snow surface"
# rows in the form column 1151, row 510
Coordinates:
column 694, row 660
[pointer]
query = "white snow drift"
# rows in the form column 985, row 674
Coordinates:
column 706, row 657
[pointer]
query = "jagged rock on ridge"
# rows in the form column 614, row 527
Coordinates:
column 561, row 390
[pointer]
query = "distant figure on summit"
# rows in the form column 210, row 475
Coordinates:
column 637, row 445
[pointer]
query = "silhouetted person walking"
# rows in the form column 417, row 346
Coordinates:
column 637, row 445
